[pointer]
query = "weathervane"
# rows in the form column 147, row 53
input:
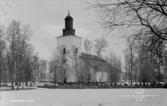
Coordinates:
column 68, row 12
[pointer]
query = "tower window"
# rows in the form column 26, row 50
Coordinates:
column 64, row 51
column 76, row 50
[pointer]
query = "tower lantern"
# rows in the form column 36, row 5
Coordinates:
column 68, row 26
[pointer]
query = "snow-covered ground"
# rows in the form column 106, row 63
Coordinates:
column 84, row 97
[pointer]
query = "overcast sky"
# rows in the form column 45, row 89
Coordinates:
column 46, row 18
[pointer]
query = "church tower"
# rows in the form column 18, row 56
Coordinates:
column 68, row 26
column 69, row 49
column 69, row 43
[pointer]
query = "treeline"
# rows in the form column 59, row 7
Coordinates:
column 18, row 61
column 145, row 64
column 144, row 24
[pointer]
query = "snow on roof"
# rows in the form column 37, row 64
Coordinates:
column 98, row 63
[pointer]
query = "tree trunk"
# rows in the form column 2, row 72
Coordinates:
column 94, row 76
column 144, row 83
column 131, row 71
column 12, row 75
column 17, row 85
column 26, row 78
column 129, row 76
column 0, row 68
column 159, row 73
column 111, row 79
column 126, row 75
column 22, row 84
column 62, row 69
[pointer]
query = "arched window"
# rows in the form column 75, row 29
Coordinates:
column 64, row 51
column 76, row 50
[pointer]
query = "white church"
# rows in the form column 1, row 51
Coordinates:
column 73, row 65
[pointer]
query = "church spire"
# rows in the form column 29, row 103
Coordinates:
column 68, row 12
column 68, row 25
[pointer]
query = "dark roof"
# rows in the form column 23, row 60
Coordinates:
column 68, row 17
column 95, row 61
column 91, row 57
column 68, row 35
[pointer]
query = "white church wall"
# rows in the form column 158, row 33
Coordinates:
column 64, row 41
column 69, row 42
column 76, row 41
column 101, row 76
column 93, row 74
column 105, row 77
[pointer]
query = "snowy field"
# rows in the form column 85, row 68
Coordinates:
column 84, row 97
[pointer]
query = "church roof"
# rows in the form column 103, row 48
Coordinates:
column 98, row 63
column 68, row 17
column 91, row 57
column 69, row 35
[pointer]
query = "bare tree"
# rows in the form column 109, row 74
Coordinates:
column 18, row 52
column 87, row 45
column 114, row 60
column 28, row 63
column 54, row 67
column 127, row 67
column 115, row 63
column 136, row 73
column 130, row 53
column 7, row 3
column 147, row 68
column 35, row 67
column 154, row 49
column 85, row 70
column 2, row 55
column 139, row 62
column 146, row 19
column 42, row 69
column 77, row 64
column 141, row 14
column 100, row 45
